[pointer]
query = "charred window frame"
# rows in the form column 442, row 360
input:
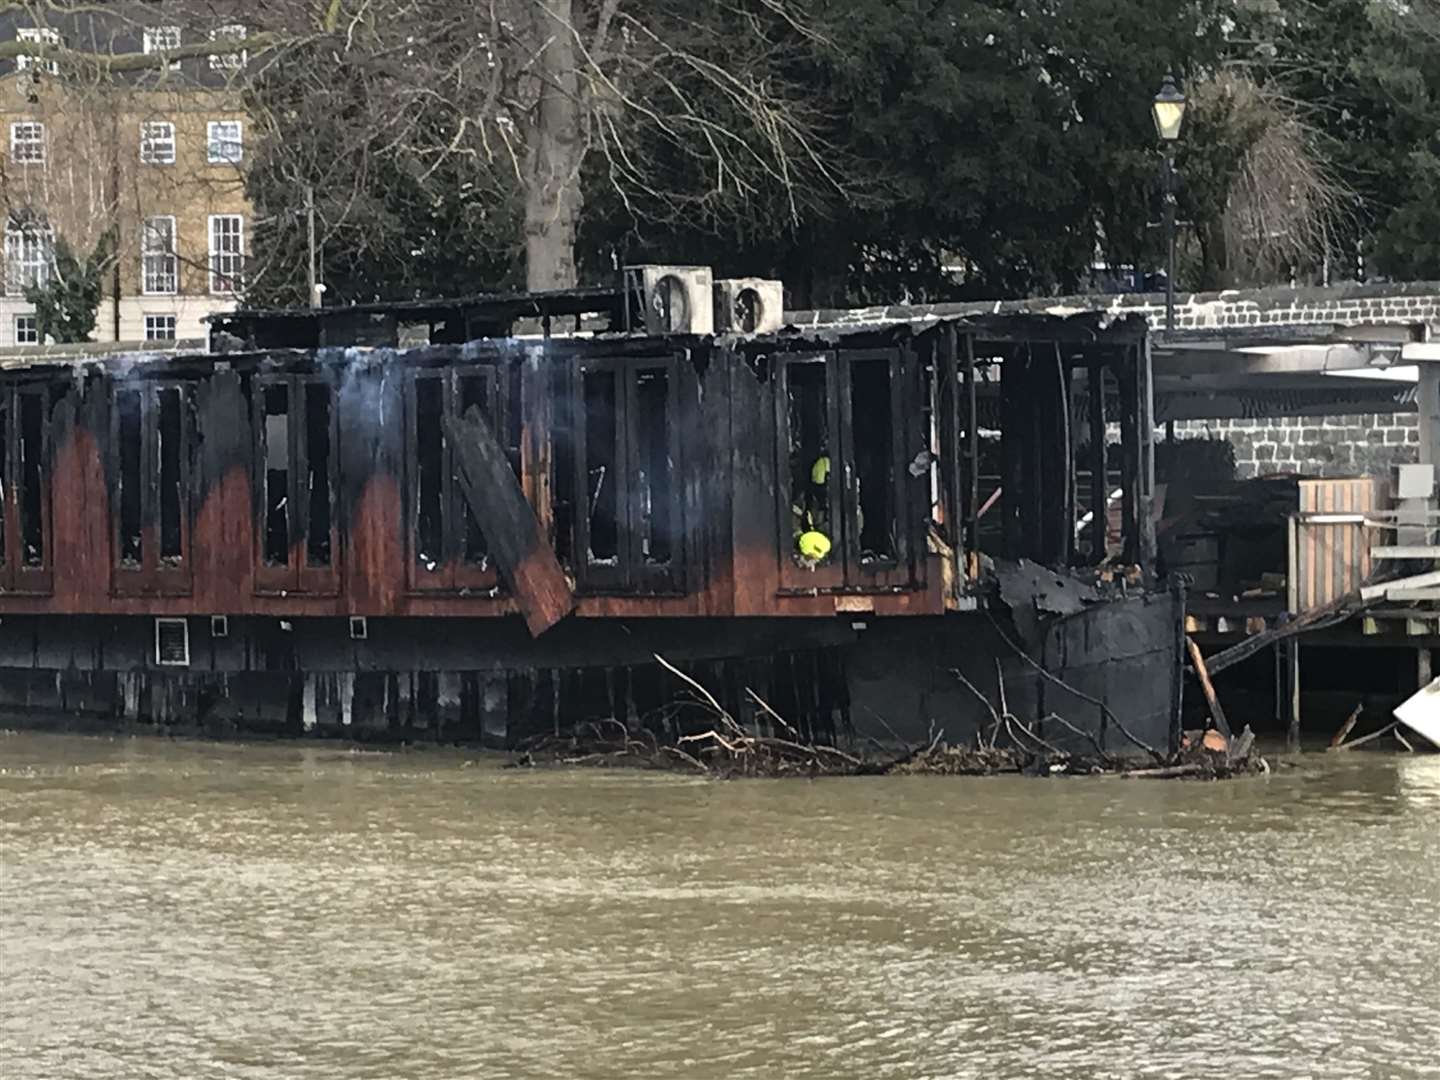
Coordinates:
column 446, row 546
column 297, row 537
column 26, row 534
column 807, row 427
column 152, row 432
column 848, row 429
column 953, row 391
column 882, row 432
column 625, row 457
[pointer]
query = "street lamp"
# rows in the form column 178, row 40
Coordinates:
column 1168, row 109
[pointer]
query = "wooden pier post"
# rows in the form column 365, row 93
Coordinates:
column 1292, row 658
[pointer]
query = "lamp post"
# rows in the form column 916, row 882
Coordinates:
column 1168, row 109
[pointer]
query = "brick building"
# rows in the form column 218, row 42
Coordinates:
column 153, row 158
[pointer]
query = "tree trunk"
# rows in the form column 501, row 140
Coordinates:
column 554, row 153
column 1216, row 273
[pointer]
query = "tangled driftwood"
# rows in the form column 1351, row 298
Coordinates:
column 727, row 749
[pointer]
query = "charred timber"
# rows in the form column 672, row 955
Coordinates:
column 363, row 529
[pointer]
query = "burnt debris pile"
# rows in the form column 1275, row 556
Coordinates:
column 728, row 752
column 724, row 748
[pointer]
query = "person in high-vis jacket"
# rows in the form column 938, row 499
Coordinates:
column 811, row 515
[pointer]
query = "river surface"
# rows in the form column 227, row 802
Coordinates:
column 280, row 912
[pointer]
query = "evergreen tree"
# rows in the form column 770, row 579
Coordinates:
column 67, row 303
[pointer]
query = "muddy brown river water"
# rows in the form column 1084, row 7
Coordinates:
column 278, row 912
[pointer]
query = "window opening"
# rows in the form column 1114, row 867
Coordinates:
column 807, row 410
column 276, row 434
column 128, row 404
column 32, row 496
column 225, row 143
column 565, row 498
column 157, row 142
column 655, row 475
column 27, row 258
column 602, row 504
column 172, row 642
column 474, row 393
column 27, row 143
column 159, row 327
column 872, row 434
column 227, row 252
column 169, row 437
column 4, row 473
column 162, row 39
column 317, row 463
column 158, row 259
column 38, row 35
column 430, row 472
column 27, row 330
column 228, row 61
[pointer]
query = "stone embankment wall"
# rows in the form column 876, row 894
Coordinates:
column 1349, row 445
column 1339, row 445
column 1396, row 303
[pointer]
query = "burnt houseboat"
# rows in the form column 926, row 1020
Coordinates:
column 311, row 526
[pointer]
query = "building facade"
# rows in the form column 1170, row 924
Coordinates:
column 142, row 175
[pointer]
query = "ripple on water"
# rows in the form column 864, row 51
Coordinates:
column 179, row 910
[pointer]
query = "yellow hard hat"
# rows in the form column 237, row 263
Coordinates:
column 820, row 471
column 813, row 545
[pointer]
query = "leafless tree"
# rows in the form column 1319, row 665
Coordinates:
column 1425, row 17
column 675, row 107
column 98, row 95
column 1273, row 203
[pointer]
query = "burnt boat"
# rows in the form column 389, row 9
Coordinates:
column 310, row 527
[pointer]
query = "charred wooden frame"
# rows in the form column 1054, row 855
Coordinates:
column 1040, row 447
column 27, row 543
column 296, row 432
column 446, row 321
column 447, row 547
column 359, row 528
column 152, row 435
column 670, row 476
column 626, row 457
column 856, row 420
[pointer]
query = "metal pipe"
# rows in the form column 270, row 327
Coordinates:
column 1169, row 241
column 312, row 276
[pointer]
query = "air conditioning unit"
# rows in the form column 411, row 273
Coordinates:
column 678, row 299
column 749, row 306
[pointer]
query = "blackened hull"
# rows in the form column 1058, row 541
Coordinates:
column 631, row 490
column 486, row 681
column 904, row 684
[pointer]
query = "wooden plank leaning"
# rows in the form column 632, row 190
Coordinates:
column 1211, row 698
column 493, row 492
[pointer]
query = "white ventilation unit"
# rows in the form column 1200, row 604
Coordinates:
column 749, row 306
column 678, row 299
column 172, row 642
